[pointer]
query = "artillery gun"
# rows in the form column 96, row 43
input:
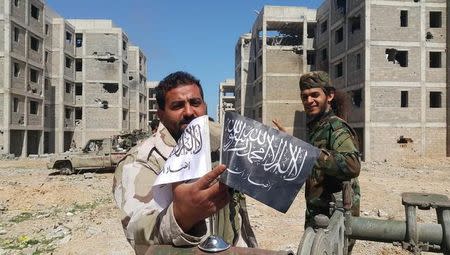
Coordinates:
column 332, row 235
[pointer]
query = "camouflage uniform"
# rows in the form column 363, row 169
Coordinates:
column 339, row 160
column 143, row 223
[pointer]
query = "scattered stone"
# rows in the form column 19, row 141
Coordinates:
column 65, row 240
column 3, row 207
column 59, row 232
column 92, row 231
column 88, row 175
column 2, row 231
column 365, row 213
column 69, row 214
column 382, row 214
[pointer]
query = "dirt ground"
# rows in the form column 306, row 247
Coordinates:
column 42, row 212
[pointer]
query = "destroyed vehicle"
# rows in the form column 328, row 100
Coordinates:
column 96, row 154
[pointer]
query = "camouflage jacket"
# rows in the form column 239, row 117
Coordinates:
column 143, row 223
column 339, row 161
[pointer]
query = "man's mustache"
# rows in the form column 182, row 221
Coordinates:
column 186, row 121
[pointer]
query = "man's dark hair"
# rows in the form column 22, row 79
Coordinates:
column 340, row 103
column 154, row 124
column 172, row 81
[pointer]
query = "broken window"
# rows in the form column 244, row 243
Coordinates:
column 403, row 18
column 124, row 45
column 310, row 58
column 68, row 88
column 111, row 87
column 435, row 19
column 404, row 99
column 324, row 26
column 339, row 70
column 357, row 97
column 34, row 75
column 16, row 69
column 124, row 68
column 340, row 6
column 403, row 140
column 15, row 104
column 16, row 3
column 46, row 29
column 355, row 23
column 124, row 115
column 34, row 43
column 78, row 89
column 78, row 113
column 397, row 56
column 68, row 62
column 124, row 91
column 429, row 36
column 68, row 113
column 46, row 57
column 324, row 54
column 358, row 61
column 435, row 99
column 34, row 12
column 68, row 37
column 435, row 59
column 16, row 34
column 34, row 107
column 78, row 40
column 78, row 65
column 339, row 35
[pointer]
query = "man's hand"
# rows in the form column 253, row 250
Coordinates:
column 194, row 202
column 276, row 122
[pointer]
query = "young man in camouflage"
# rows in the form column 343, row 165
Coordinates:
column 339, row 159
column 180, row 100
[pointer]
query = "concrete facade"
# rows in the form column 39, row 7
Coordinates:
column 394, row 68
column 279, row 51
column 137, row 79
column 22, row 77
column 227, row 98
column 152, row 105
column 63, row 81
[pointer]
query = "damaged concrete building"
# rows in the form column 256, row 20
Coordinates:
column 227, row 98
column 152, row 105
column 269, row 62
column 389, row 56
column 64, row 81
column 137, row 80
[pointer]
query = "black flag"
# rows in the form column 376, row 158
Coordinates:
column 264, row 163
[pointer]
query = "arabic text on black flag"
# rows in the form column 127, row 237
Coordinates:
column 264, row 163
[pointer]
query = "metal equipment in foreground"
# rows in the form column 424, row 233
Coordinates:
column 331, row 236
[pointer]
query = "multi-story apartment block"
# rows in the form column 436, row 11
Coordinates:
column 137, row 71
column 390, row 56
column 101, row 76
column 64, row 81
column 448, row 81
column 279, row 51
column 242, row 82
column 226, row 98
column 151, row 96
column 59, row 83
column 22, row 77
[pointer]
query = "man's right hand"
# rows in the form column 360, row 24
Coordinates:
column 196, row 201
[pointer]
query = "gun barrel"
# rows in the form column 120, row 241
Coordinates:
column 392, row 230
